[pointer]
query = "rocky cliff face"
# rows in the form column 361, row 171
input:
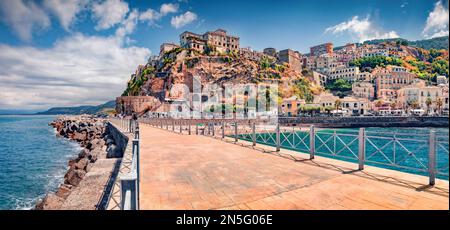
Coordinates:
column 179, row 66
column 90, row 134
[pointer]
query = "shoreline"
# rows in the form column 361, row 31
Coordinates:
column 88, row 133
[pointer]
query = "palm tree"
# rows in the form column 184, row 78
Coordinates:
column 439, row 104
column 393, row 105
column 378, row 104
column 428, row 102
column 337, row 104
column 414, row 104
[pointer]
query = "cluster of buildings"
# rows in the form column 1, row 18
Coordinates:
column 390, row 90
column 383, row 90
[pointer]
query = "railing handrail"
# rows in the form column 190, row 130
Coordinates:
column 254, row 131
column 129, row 183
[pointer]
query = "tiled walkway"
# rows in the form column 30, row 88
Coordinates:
column 198, row 172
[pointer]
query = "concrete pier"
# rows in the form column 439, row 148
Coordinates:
column 180, row 171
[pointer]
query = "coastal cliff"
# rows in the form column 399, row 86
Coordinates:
column 91, row 162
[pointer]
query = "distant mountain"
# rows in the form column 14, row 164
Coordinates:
column 433, row 43
column 17, row 112
column 86, row 109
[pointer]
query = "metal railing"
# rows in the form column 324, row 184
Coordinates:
column 129, row 183
column 425, row 154
column 124, row 124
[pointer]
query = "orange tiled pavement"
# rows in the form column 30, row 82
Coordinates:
column 198, row 172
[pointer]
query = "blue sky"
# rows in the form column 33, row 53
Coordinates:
column 52, row 51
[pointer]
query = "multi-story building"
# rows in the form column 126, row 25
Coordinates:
column 270, row 51
column 127, row 105
column 326, row 99
column 348, row 73
column 390, row 79
column 363, row 89
column 290, row 106
column 166, row 47
column 419, row 94
column 248, row 53
column 218, row 39
column 355, row 106
column 293, row 58
column 326, row 48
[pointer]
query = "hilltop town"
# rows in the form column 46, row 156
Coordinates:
column 384, row 78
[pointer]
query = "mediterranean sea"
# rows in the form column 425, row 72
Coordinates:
column 32, row 160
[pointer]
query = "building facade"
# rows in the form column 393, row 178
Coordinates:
column 218, row 39
column 390, row 79
column 128, row 105
column 290, row 106
column 166, row 47
column 363, row 90
column 293, row 58
column 326, row 48
column 347, row 73
column 419, row 95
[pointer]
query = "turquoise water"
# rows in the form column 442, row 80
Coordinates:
column 403, row 149
column 32, row 160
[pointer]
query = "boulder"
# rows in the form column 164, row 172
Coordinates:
column 74, row 176
column 82, row 163
column 80, row 136
column 73, row 126
column 50, row 202
column 64, row 190
column 83, row 153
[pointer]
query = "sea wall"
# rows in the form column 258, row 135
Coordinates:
column 88, row 179
column 355, row 122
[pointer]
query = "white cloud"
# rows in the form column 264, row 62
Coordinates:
column 109, row 13
column 183, row 19
column 23, row 17
column 66, row 11
column 168, row 8
column 128, row 25
column 151, row 15
column 437, row 21
column 361, row 30
column 76, row 70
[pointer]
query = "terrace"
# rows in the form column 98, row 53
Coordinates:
column 250, row 165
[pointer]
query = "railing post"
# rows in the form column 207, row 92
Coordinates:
column 208, row 132
column 361, row 148
column 196, row 129
column 277, row 138
column 173, row 126
column 189, row 128
column 432, row 157
column 128, row 199
column 137, row 152
column 136, row 133
column 254, row 133
column 181, row 127
column 223, row 130
column 235, row 132
column 213, row 130
column 312, row 142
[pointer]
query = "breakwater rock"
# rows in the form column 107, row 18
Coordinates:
column 89, row 132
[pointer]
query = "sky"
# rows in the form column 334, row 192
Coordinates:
column 82, row 52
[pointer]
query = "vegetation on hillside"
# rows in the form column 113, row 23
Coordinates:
column 372, row 62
